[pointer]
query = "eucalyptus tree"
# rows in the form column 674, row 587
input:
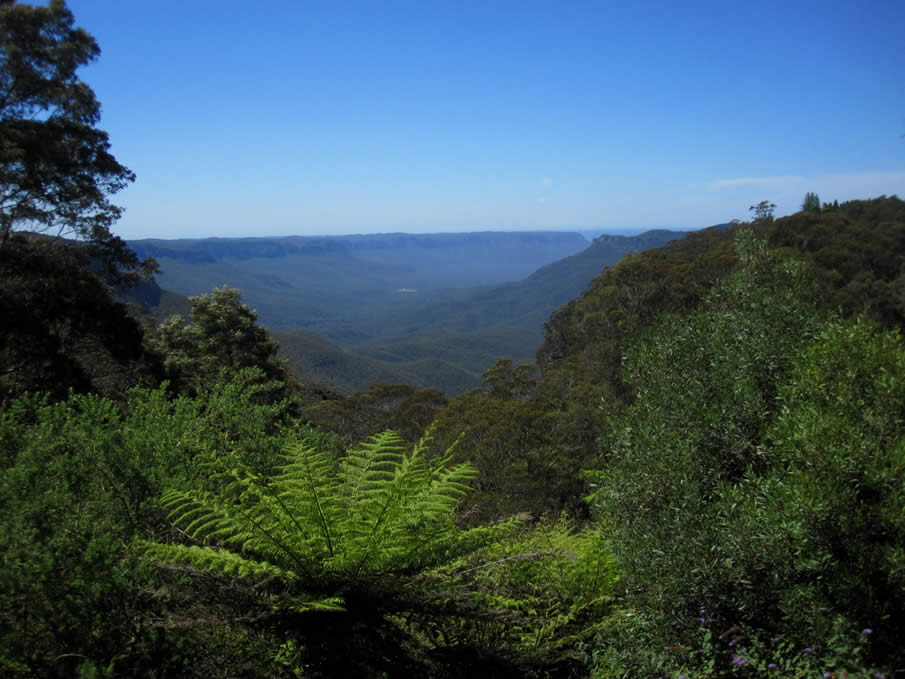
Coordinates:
column 221, row 337
column 56, row 169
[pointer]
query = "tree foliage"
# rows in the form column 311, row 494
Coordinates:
column 763, row 212
column 838, row 473
column 222, row 337
column 399, row 407
column 703, row 384
column 61, row 328
column 56, row 169
column 811, row 202
column 755, row 473
column 856, row 252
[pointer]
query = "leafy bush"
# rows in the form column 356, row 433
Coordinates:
column 552, row 585
column 835, row 650
column 704, row 385
column 81, row 478
column 70, row 499
column 758, row 472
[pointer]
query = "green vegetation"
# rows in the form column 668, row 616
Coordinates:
column 424, row 362
column 703, row 475
column 749, row 481
column 811, row 202
column 729, row 406
column 222, row 336
column 61, row 330
column 354, row 538
column 56, row 169
column 763, row 212
column 80, row 481
column 337, row 308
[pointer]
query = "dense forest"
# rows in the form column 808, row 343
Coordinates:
column 701, row 475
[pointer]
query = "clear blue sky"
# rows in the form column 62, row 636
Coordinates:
column 278, row 117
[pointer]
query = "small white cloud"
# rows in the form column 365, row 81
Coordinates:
column 541, row 201
column 755, row 181
column 548, row 181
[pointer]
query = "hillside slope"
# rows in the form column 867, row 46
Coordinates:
column 312, row 356
column 318, row 282
column 504, row 320
column 441, row 338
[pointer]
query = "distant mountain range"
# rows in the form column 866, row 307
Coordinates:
column 426, row 309
column 312, row 282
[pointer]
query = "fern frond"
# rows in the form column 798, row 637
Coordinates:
column 382, row 497
column 254, row 528
column 405, row 520
column 450, row 485
column 307, row 493
column 219, row 560
column 332, row 604
column 382, row 511
column 371, row 462
column 197, row 514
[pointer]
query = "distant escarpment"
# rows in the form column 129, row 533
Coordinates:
column 432, row 310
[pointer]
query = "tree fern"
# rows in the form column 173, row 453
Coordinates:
column 322, row 529
column 375, row 537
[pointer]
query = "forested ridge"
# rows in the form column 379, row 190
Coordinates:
column 702, row 474
column 713, row 442
column 432, row 310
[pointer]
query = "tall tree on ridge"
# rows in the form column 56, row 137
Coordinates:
column 56, row 169
column 811, row 202
column 763, row 212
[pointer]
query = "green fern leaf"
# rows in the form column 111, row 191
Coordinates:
column 381, row 512
column 219, row 560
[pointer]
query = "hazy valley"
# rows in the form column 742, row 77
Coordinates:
column 431, row 310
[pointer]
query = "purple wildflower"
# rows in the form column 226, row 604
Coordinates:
column 771, row 666
column 739, row 661
column 808, row 650
column 867, row 631
column 827, row 675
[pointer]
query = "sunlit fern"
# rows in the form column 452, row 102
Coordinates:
column 322, row 527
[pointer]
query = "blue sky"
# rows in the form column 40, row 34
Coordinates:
column 245, row 118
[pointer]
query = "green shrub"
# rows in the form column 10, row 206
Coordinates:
column 758, row 472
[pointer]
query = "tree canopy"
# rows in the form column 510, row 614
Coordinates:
column 56, row 169
column 763, row 212
column 811, row 202
column 223, row 335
